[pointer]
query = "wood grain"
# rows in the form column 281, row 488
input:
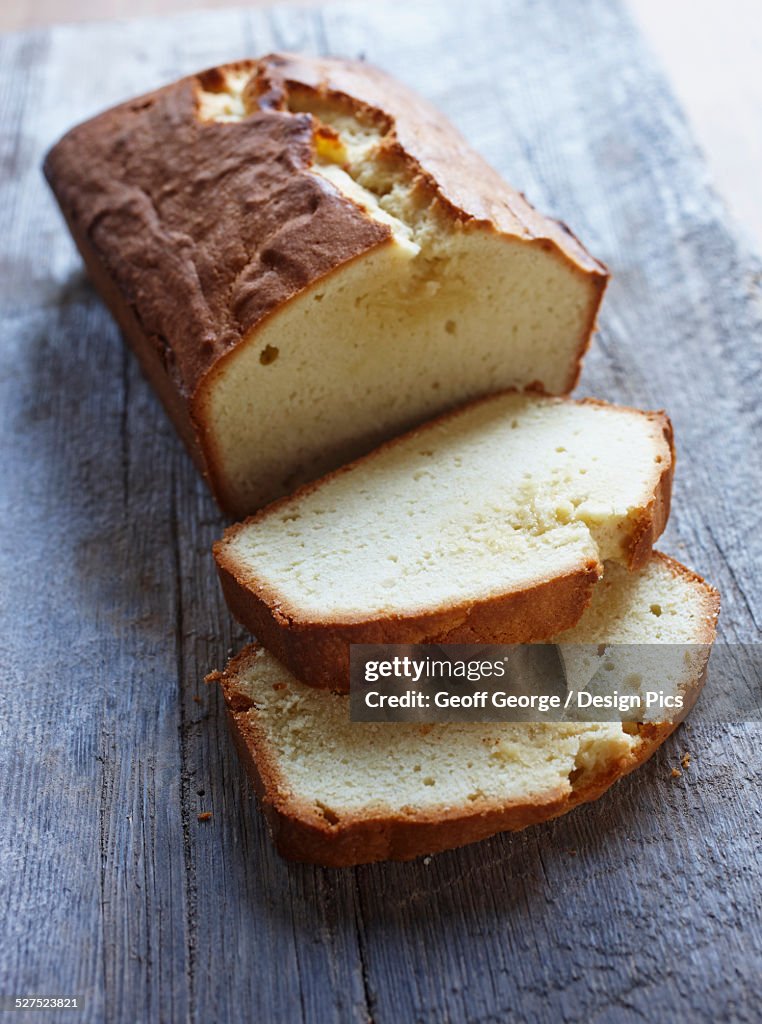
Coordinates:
column 646, row 904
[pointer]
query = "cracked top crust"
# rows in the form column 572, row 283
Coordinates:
column 207, row 226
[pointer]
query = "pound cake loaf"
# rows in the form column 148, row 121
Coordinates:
column 338, row 793
column 307, row 258
column 490, row 524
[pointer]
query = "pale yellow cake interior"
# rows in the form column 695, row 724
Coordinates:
column 501, row 496
column 339, row 767
column 438, row 314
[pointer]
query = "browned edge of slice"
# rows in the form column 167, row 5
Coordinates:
column 302, row 833
column 318, row 652
column 648, row 525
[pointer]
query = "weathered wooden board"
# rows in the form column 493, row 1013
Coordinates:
column 645, row 905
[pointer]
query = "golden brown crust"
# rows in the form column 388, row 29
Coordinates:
column 227, row 213
column 418, row 136
column 651, row 521
column 364, row 841
column 318, row 651
column 195, row 231
column 147, row 355
column 301, row 832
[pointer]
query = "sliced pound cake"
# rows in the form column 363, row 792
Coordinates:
column 490, row 524
column 340, row 793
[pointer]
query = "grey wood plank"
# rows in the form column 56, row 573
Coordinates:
column 111, row 745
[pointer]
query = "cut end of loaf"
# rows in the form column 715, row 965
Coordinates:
column 451, row 306
column 396, row 337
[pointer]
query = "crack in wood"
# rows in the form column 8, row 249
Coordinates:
column 359, row 924
column 733, row 575
column 191, row 891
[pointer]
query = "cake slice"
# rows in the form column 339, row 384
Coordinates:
column 308, row 258
column 340, row 793
column 489, row 524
